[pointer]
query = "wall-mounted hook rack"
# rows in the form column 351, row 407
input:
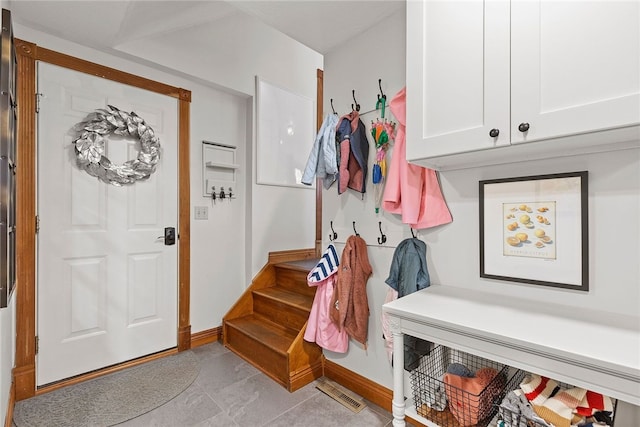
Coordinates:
column 333, row 109
column 383, row 238
column 354, row 229
column 221, row 194
column 357, row 106
column 333, row 235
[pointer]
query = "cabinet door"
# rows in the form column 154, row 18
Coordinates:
column 457, row 76
column 575, row 67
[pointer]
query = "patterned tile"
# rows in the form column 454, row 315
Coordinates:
column 322, row 411
column 229, row 392
column 258, row 399
column 189, row 408
column 223, row 370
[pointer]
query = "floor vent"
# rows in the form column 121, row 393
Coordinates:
column 343, row 396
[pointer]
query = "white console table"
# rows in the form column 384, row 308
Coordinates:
column 596, row 350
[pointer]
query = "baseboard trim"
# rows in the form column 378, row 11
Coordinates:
column 303, row 377
column 206, row 337
column 24, row 378
column 8, row 421
column 184, row 338
column 363, row 386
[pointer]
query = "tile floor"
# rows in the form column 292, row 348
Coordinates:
column 230, row 392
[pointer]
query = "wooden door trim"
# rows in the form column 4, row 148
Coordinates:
column 319, row 108
column 28, row 53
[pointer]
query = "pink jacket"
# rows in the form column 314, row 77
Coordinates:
column 320, row 328
column 410, row 190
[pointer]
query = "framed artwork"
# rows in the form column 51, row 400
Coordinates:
column 285, row 130
column 534, row 229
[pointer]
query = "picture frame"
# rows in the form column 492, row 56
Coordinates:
column 285, row 135
column 534, row 229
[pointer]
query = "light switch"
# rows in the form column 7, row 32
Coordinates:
column 201, row 212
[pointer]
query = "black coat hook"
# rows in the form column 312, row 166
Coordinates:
column 353, row 93
column 382, row 239
column 333, row 235
column 333, row 109
column 412, row 233
column 382, row 95
column 354, row 228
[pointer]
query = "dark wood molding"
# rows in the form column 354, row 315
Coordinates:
column 184, row 226
column 207, row 336
column 305, row 376
column 87, row 67
column 25, row 297
column 24, row 373
column 363, row 386
column 319, row 108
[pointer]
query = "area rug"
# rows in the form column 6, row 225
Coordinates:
column 111, row 399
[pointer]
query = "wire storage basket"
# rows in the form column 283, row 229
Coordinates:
column 508, row 417
column 456, row 389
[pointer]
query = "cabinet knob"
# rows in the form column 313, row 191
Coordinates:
column 523, row 127
column 494, row 132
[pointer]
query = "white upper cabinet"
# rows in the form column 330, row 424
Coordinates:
column 485, row 76
column 575, row 67
column 457, row 76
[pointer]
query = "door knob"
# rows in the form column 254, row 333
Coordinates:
column 494, row 132
column 523, row 127
column 169, row 236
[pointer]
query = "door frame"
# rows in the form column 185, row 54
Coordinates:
column 24, row 372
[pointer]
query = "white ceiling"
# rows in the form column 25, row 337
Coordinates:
column 318, row 24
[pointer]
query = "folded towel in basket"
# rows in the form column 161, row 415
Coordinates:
column 471, row 398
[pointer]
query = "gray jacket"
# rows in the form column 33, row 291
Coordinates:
column 408, row 274
column 409, row 271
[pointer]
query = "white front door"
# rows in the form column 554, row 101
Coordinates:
column 107, row 285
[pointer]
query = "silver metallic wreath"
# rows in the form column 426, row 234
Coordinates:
column 89, row 146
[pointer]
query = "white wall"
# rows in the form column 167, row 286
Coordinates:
column 215, row 116
column 452, row 254
column 376, row 54
column 281, row 218
column 225, row 116
column 232, row 245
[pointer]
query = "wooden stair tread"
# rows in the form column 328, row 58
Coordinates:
column 303, row 265
column 285, row 296
column 276, row 337
column 265, row 325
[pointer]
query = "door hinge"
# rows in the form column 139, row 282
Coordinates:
column 37, row 344
column 38, row 95
column 37, row 224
